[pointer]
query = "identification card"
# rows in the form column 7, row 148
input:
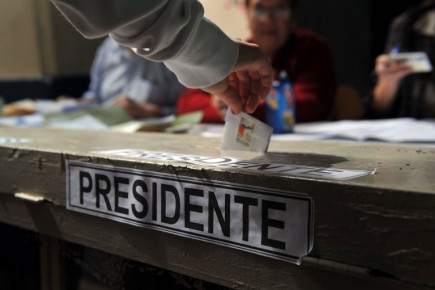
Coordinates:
column 419, row 61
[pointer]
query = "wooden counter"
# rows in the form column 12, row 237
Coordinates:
column 371, row 232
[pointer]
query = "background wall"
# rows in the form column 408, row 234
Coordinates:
column 36, row 41
column 229, row 15
column 348, row 27
column 18, row 57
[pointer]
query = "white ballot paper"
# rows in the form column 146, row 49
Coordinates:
column 418, row 61
column 244, row 132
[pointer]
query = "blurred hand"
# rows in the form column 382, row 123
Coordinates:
column 138, row 110
column 389, row 73
column 72, row 100
column 248, row 83
column 219, row 105
column 63, row 98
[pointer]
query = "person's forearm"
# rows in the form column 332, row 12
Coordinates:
column 383, row 96
column 173, row 31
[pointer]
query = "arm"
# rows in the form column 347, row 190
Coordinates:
column 197, row 100
column 176, row 32
column 139, row 110
column 161, row 30
column 389, row 74
column 97, row 69
column 314, row 82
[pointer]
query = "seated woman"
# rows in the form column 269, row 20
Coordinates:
column 399, row 91
column 142, row 87
column 302, row 54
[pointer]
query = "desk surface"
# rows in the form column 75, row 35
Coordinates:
column 383, row 222
column 401, row 131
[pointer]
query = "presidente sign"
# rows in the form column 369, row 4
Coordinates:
column 267, row 222
column 232, row 162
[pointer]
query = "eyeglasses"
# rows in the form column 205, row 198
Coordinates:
column 261, row 13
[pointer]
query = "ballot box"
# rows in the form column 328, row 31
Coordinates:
column 305, row 215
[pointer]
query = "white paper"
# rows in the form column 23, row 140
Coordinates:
column 404, row 130
column 43, row 106
column 244, row 132
column 418, row 61
column 282, row 169
column 87, row 122
column 26, row 120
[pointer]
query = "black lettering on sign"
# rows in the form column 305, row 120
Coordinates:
column 268, row 222
column 213, row 208
column 120, row 194
column 167, row 188
column 139, row 197
column 292, row 168
column 189, row 207
column 154, row 217
column 262, row 167
column 246, row 202
column 101, row 189
column 84, row 189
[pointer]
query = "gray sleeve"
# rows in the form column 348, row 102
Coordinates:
column 172, row 31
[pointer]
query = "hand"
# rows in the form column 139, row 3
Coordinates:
column 138, row 110
column 249, row 81
column 219, row 105
column 389, row 73
column 67, row 99
column 63, row 98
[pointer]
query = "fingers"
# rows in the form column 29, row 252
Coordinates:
column 227, row 91
column 391, row 70
column 266, row 79
column 260, row 73
column 244, row 83
column 219, row 105
column 232, row 99
column 240, row 92
column 249, row 81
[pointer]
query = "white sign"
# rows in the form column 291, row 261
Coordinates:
column 267, row 222
column 10, row 140
column 231, row 162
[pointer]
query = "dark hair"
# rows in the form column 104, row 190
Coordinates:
column 291, row 3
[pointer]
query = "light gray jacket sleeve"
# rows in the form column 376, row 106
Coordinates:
column 173, row 31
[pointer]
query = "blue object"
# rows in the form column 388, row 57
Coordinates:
column 395, row 50
column 280, row 106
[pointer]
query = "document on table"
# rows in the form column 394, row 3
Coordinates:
column 401, row 130
column 169, row 124
column 101, row 117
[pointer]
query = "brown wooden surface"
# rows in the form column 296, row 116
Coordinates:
column 383, row 223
